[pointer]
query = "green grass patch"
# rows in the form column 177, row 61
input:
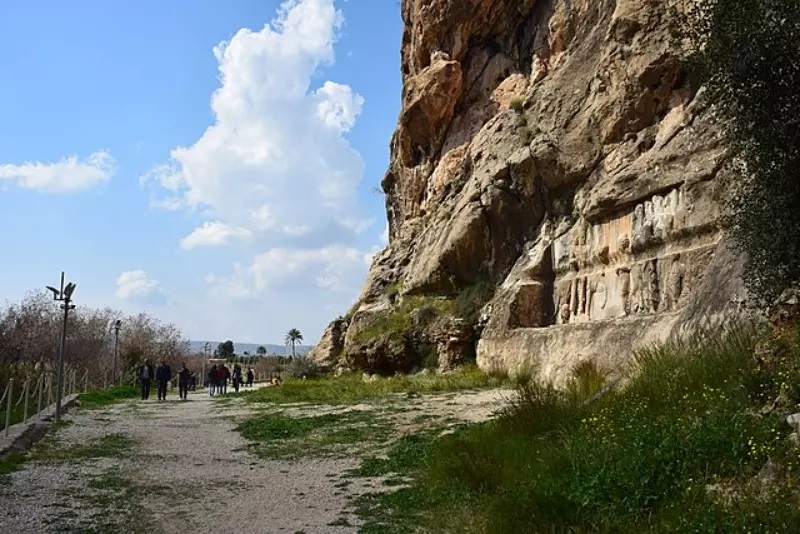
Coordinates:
column 279, row 436
column 104, row 397
column 637, row 460
column 11, row 463
column 108, row 446
column 349, row 389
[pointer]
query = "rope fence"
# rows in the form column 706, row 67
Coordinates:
column 17, row 401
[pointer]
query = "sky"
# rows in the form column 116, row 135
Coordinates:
column 214, row 164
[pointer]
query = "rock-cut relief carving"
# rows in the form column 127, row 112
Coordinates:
column 632, row 264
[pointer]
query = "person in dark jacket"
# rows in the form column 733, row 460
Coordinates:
column 212, row 380
column 163, row 376
column 237, row 377
column 224, row 376
column 145, row 374
column 251, row 375
column 184, row 379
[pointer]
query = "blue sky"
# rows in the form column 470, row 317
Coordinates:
column 171, row 161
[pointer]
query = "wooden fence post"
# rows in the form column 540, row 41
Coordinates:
column 10, row 393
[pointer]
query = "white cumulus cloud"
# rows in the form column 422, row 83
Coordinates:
column 66, row 175
column 276, row 160
column 334, row 268
column 276, row 169
column 213, row 233
column 135, row 284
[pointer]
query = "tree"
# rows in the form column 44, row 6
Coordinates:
column 293, row 337
column 226, row 350
column 746, row 56
column 30, row 333
column 261, row 351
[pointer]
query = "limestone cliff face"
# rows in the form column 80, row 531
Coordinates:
column 552, row 149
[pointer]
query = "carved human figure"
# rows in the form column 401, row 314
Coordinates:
column 564, row 313
column 624, row 285
column 677, row 273
column 652, row 286
column 637, row 293
column 599, row 298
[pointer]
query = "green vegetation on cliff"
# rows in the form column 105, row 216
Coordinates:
column 682, row 448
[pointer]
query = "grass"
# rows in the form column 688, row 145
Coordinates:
column 350, row 388
column 636, row 460
column 108, row 446
column 104, row 397
column 11, row 463
column 517, row 105
column 279, row 436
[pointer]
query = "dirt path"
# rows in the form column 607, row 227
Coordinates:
column 166, row 467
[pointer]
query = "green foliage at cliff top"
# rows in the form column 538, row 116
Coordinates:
column 746, row 59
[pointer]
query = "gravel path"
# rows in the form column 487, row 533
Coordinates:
column 172, row 466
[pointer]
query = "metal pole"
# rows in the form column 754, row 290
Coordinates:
column 60, row 380
column 8, row 403
column 116, row 345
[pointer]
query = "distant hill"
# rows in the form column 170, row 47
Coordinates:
column 281, row 350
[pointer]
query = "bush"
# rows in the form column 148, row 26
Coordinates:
column 746, row 56
column 517, row 105
column 302, row 367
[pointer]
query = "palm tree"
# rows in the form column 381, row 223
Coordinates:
column 293, row 336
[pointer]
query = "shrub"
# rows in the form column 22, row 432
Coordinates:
column 302, row 367
column 746, row 56
column 471, row 299
column 517, row 105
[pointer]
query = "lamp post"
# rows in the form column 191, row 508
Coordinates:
column 206, row 348
column 117, row 326
column 63, row 295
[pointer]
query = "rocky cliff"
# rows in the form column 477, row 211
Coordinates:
column 553, row 168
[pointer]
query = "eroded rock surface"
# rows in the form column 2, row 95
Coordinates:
column 555, row 150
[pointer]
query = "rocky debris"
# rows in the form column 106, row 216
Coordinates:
column 786, row 309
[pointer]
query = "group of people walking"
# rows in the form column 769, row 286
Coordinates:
column 219, row 375
column 162, row 375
